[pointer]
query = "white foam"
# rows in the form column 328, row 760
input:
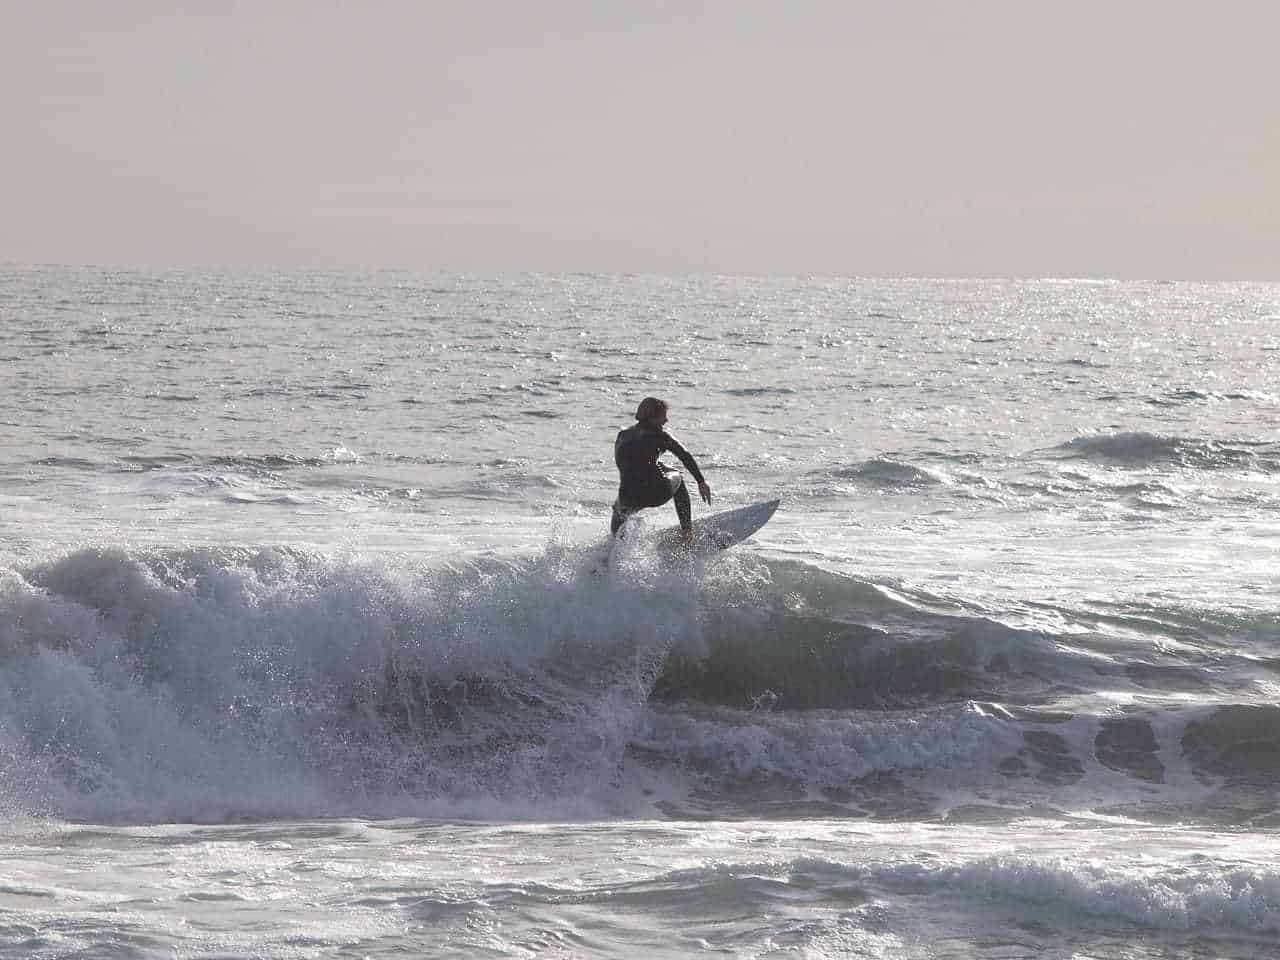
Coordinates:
column 832, row 750
column 199, row 684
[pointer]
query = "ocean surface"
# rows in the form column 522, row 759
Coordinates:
column 308, row 647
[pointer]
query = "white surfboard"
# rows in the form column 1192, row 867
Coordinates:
column 722, row 530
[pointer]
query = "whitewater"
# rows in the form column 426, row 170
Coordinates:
column 307, row 648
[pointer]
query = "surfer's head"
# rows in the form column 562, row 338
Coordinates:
column 652, row 410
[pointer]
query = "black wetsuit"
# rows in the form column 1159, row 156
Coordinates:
column 643, row 481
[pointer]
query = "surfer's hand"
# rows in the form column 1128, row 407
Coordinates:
column 705, row 491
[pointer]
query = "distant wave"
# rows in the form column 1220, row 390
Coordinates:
column 883, row 473
column 759, row 391
column 248, row 464
column 1179, row 397
column 1146, row 449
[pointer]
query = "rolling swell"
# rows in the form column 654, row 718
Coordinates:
column 818, row 640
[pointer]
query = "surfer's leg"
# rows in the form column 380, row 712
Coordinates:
column 667, row 487
column 684, row 509
column 618, row 519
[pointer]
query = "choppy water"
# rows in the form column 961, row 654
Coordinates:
column 302, row 637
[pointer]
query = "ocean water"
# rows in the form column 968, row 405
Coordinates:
column 305, row 650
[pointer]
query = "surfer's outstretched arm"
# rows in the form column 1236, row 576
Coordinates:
column 690, row 464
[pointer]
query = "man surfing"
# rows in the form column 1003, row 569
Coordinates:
column 642, row 480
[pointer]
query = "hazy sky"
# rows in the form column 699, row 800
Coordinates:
column 1126, row 138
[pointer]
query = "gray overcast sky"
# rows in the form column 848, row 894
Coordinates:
column 1126, row 138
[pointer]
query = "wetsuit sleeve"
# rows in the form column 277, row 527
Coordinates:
column 670, row 443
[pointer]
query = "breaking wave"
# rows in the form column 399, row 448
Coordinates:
column 201, row 684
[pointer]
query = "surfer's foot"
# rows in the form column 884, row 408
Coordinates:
column 686, row 536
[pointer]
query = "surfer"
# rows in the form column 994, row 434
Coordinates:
column 642, row 480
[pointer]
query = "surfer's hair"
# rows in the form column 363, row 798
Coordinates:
column 650, row 407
